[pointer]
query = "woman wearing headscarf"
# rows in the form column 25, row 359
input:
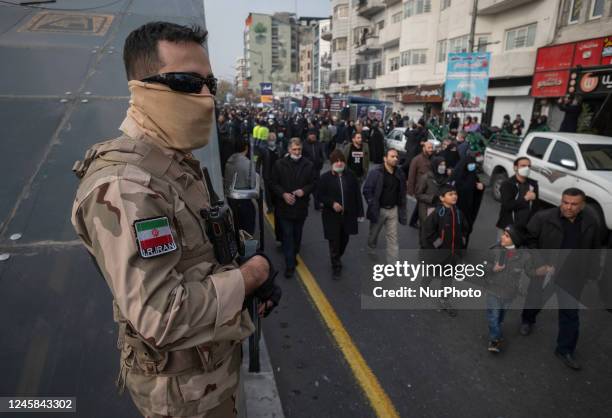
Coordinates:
column 469, row 188
column 340, row 196
column 428, row 186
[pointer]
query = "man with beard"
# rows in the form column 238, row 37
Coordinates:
column 137, row 211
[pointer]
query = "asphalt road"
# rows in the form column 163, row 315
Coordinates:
column 429, row 364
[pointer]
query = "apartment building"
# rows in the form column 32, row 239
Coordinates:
column 397, row 50
column 240, row 80
column 338, row 78
column 271, row 48
column 321, row 56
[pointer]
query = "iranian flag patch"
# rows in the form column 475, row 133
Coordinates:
column 154, row 237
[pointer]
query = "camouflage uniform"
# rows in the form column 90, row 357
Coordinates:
column 180, row 313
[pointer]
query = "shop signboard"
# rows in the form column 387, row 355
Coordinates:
column 549, row 84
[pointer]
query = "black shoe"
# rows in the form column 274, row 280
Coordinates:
column 289, row 272
column 336, row 271
column 494, row 346
column 526, row 329
column 569, row 360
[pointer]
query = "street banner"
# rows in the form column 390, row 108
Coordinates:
column 370, row 111
column 266, row 93
column 266, row 89
column 467, row 81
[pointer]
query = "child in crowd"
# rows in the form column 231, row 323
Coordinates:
column 445, row 230
column 503, row 282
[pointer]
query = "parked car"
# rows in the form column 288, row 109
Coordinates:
column 558, row 161
column 396, row 140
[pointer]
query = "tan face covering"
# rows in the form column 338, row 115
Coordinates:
column 181, row 121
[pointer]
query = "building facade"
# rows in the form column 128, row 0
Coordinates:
column 271, row 50
column 338, row 77
column 321, row 56
column 578, row 63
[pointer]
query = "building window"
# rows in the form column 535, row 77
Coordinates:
column 574, row 11
column 393, row 64
column 414, row 57
column 339, row 44
column 441, row 51
column 341, row 11
column 396, row 17
column 416, row 7
column 459, row 44
column 520, row 37
column 445, row 4
column 381, row 25
column 597, row 9
column 483, row 41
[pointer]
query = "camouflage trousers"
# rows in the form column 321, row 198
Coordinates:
column 226, row 409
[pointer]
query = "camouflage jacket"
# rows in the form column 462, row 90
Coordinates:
column 182, row 310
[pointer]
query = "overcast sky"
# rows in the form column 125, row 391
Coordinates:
column 225, row 24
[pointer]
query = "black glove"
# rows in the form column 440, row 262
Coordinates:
column 269, row 290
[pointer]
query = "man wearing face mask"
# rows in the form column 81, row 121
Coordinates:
column 519, row 197
column 339, row 194
column 293, row 180
column 137, row 211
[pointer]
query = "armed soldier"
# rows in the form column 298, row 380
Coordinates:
column 137, row 210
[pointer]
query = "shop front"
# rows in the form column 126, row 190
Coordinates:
column 423, row 101
column 579, row 69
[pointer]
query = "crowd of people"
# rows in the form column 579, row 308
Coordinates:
column 352, row 176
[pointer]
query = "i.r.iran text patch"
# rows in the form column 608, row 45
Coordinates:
column 154, row 237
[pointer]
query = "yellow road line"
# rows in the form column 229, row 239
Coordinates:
column 378, row 398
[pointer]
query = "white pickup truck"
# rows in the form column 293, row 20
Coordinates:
column 558, row 161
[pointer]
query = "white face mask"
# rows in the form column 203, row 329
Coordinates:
column 338, row 169
column 510, row 247
column 295, row 157
column 524, row 171
column 441, row 169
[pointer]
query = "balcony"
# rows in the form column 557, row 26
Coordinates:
column 389, row 36
column 326, row 34
column 388, row 80
column 367, row 45
column 369, row 8
column 391, row 2
column 491, row 7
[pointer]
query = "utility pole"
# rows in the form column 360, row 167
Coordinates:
column 473, row 26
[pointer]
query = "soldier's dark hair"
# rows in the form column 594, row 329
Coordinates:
column 573, row 191
column 140, row 51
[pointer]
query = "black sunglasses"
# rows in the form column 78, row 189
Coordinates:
column 185, row 82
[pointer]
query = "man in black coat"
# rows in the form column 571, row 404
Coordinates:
column 519, row 197
column 314, row 151
column 339, row 194
column 376, row 144
column 293, row 180
column 568, row 227
column 269, row 156
column 572, row 109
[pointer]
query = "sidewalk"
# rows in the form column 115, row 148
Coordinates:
column 259, row 394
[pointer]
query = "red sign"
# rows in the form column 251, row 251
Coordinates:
column 550, row 84
column 606, row 52
column 588, row 53
column 556, row 57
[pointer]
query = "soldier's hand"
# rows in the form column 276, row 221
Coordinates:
column 255, row 272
